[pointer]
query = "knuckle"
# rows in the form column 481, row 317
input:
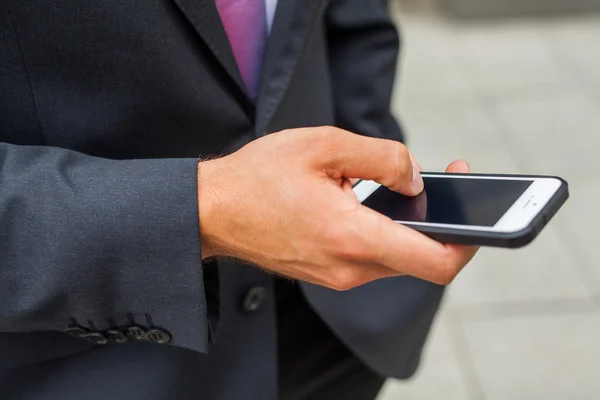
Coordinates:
column 329, row 136
column 402, row 161
column 353, row 250
column 328, row 143
column 400, row 149
column 445, row 273
column 345, row 278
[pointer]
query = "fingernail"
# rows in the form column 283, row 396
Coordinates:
column 467, row 164
column 413, row 161
column 417, row 182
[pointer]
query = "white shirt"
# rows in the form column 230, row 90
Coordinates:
column 270, row 5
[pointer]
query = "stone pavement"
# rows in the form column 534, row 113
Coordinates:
column 512, row 96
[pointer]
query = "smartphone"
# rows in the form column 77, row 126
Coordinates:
column 472, row 209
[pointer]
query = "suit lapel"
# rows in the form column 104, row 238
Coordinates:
column 291, row 26
column 204, row 17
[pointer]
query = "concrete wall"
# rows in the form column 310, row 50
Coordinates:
column 509, row 8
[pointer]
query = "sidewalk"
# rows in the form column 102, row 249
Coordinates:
column 512, row 96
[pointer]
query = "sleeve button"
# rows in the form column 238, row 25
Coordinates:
column 116, row 336
column 135, row 333
column 96, row 338
column 159, row 336
column 77, row 331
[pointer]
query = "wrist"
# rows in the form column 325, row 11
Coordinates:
column 207, row 200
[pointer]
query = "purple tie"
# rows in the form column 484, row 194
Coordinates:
column 246, row 27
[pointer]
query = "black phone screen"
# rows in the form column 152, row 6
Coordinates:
column 455, row 201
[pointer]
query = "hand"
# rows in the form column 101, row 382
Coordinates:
column 285, row 203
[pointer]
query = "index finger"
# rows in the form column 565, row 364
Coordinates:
column 387, row 162
column 407, row 251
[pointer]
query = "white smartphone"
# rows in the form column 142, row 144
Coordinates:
column 472, row 209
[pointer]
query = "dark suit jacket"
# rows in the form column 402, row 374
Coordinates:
column 105, row 107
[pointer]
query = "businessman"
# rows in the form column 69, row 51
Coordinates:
column 176, row 212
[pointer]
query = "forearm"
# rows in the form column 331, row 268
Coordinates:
column 101, row 241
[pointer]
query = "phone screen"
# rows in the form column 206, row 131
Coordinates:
column 457, row 201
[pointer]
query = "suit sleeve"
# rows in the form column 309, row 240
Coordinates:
column 363, row 47
column 95, row 243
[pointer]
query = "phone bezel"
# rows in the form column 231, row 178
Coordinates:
column 518, row 217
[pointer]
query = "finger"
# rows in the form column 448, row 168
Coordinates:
column 387, row 162
column 412, row 159
column 415, row 163
column 459, row 167
column 407, row 251
column 342, row 274
column 347, row 186
column 421, row 207
column 464, row 253
column 351, row 274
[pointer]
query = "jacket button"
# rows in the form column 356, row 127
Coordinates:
column 116, row 336
column 95, row 338
column 254, row 298
column 159, row 336
column 135, row 332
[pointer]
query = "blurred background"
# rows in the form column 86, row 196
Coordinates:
column 512, row 86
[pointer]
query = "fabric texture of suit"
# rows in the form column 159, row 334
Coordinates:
column 105, row 108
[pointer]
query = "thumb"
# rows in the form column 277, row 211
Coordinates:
column 387, row 162
column 459, row 167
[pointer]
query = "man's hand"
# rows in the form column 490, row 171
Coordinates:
column 285, row 202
